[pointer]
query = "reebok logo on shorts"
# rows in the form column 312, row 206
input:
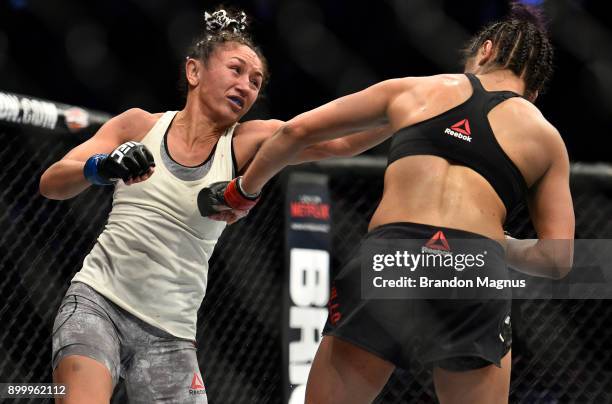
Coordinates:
column 460, row 130
column 197, row 386
column 437, row 244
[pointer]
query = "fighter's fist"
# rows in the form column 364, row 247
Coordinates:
column 224, row 195
column 129, row 161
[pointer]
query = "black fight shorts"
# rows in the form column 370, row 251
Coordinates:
column 457, row 335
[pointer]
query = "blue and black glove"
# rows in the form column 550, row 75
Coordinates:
column 129, row 160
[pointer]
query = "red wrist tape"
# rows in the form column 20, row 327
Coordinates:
column 235, row 200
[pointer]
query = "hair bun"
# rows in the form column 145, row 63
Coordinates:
column 220, row 21
column 524, row 12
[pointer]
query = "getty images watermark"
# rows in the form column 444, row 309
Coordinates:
column 441, row 268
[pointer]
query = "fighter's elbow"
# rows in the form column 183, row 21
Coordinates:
column 43, row 186
column 562, row 265
column 557, row 255
column 48, row 187
column 561, row 271
column 566, row 263
column 49, row 192
column 295, row 133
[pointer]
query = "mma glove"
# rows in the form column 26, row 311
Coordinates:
column 129, row 160
column 224, row 195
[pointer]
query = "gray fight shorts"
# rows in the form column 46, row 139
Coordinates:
column 156, row 366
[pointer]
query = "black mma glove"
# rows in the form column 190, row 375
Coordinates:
column 220, row 196
column 129, row 160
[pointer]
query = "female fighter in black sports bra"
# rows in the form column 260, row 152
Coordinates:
column 468, row 149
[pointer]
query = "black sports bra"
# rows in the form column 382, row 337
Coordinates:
column 463, row 135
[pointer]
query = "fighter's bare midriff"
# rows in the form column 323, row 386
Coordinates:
column 439, row 193
column 436, row 191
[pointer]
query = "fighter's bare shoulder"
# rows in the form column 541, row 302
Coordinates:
column 134, row 123
column 258, row 126
column 256, row 131
column 399, row 85
column 399, row 88
column 250, row 135
column 445, row 79
column 529, row 119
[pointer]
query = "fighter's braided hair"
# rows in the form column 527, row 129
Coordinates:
column 522, row 45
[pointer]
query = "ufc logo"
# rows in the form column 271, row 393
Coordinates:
column 122, row 150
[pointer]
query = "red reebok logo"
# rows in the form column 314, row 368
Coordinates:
column 196, row 382
column 463, row 126
column 460, row 130
column 438, row 242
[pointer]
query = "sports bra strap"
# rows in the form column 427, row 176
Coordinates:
column 476, row 84
column 491, row 98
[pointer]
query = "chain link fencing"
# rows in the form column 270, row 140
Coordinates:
column 561, row 352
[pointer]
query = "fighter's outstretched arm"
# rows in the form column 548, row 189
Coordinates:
column 353, row 113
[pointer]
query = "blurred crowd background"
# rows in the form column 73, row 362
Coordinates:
column 116, row 54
